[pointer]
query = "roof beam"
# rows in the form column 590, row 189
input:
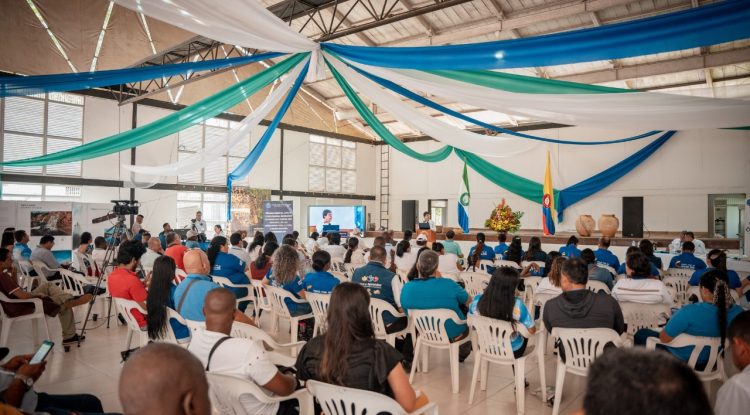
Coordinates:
column 420, row 19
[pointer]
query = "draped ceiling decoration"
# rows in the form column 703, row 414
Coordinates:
column 463, row 73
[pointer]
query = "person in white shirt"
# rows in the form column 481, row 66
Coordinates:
column 256, row 246
column 312, row 243
column 334, row 247
column 734, row 396
column 427, row 218
column 220, row 353
column 199, row 225
column 138, row 225
column 404, row 258
column 676, row 245
column 325, row 221
column 236, row 249
column 154, row 251
column 640, row 286
column 355, row 255
column 100, row 249
column 550, row 284
column 448, row 264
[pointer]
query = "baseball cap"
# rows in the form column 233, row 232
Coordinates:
column 190, row 234
column 421, row 237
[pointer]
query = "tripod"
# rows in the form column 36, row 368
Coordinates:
column 118, row 233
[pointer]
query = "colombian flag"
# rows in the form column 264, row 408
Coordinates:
column 548, row 203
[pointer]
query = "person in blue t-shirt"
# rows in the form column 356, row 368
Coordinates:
column 570, row 250
column 604, row 256
column 480, row 251
column 224, row 264
column 717, row 259
column 687, row 259
column 284, row 274
column 622, row 270
column 597, row 273
column 429, row 292
column 160, row 296
column 21, row 250
column 502, row 247
column 500, row 302
column 709, row 318
column 321, row 281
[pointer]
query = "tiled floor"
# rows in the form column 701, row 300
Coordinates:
column 95, row 368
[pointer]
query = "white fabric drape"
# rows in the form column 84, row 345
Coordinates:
column 221, row 146
column 495, row 146
column 645, row 110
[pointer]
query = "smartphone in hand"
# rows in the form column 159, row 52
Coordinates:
column 42, row 353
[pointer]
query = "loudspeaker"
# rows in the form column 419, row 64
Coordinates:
column 632, row 217
column 408, row 214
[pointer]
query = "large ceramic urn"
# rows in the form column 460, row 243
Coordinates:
column 585, row 225
column 608, row 225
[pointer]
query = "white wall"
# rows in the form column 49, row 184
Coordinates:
column 674, row 182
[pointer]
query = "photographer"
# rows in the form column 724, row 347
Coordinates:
column 199, row 226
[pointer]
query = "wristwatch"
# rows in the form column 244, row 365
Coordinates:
column 27, row 380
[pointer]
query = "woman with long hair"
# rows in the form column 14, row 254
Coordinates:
column 717, row 259
column 160, row 296
column 260, row 267
column 334, row 247
column 349, row 355
column 515, row 251
column 256, row 246
column 9, row 240
column 414, row 272
column 270, row 237
column 647, row 247
column 285, row 274
column 480, row 251
column 224, row 264
column 499, row 301
column 535, row 252
column 354, row 255
column 404, row 258
column 550, row 284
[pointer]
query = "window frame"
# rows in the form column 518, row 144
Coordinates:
column 323, row 165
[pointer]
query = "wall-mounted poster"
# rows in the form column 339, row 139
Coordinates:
column 54, row 222
column 247, row 209
column 278, row 217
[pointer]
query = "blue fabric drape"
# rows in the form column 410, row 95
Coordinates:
column 29, row 85
column 701, row 26
column 581, row 190
column 432, row 104
column 247, row 164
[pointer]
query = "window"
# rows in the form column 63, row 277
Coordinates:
column 213, row 206
column 438, row 210
column 333, row 164
column 42, row 124
column 41, row 192
column 200, row 136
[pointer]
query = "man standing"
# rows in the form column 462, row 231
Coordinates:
column 137, row 226
column 427, row 218
column 200, row 225
column 43, row 253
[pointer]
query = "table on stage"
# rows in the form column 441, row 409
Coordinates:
column 739, row 265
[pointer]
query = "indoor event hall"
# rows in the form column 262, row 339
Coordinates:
column 360, row 207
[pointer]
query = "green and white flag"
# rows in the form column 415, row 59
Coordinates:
column 464, row 198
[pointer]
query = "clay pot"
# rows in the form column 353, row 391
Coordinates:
column 608, row 225
column 585, row 225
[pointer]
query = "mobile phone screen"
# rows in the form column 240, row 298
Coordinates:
column 42, row 353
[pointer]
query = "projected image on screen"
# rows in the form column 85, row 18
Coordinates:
column 336, row 218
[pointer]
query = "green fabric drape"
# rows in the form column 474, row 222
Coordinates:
column 380, row 129
column 525, row 84
column 180, row 120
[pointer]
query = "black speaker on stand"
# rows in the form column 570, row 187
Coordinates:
column 632, row 217
column 408, row 214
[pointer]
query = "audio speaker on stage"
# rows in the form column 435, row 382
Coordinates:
column 408, row 215
column 632, row 217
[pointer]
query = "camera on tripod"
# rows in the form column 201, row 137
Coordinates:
column 125, row 207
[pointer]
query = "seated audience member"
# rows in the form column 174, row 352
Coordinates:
column 349, row 355
column 404, row 258
column 289, row 240
column 535, row 252
column 285, row 274
column 550, row 284
column 354, row 254
column 220, row 353
column 84, row 262
column 414, row 272
column 311, row 245
column 189, row 294
column 334, row 247
column 237, row 249
column 709, row 318
column 647, row 247
column 579, row 308
column 687, row 259
column 502, row 246
column 224, row 264
column 17, row 378
column 175, row 250
column 604, row 257
column 408, row 235
column 153, row 252
column 99, row 252
column 734, row 396
column 21, row 250
column 451, row 246
column 687, row 236
column 191, row 240
column 166, row 229
column 160, row 296
column 262, row 265
column 448, row 264
column 218, row 231
column 622, row 270
column 717, row 259
column 55, row 301
column 256, row 246
column 646, row 383
column 640, row 286
column 378, row 280
column 164, row 378
column 270, row 237
column 124, row 283
column 421, row 241
column 43, row 253
column 500, row 302
column 595, row 272
column 431, row 292
column 320, row 281
column 514, row 253
column 145, row 237
column 570, row 250
column 8, row 239
column 389, row 253
column 480, row 251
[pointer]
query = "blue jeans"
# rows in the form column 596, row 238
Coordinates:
column 641, row 336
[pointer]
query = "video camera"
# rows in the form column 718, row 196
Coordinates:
column 125, row 207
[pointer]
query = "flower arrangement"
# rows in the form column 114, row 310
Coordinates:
column 504, row 219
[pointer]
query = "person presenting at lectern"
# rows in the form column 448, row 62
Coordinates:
column 427, row 219
column 326, row 222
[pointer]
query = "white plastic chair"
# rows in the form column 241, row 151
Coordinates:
column 680, row 272
column 74, row 283
column 277, row 296
column 246, row 331
column 608, row 268
column 581, row 347
column 544, row 341
column 484, row 264
column 529, row 287
column 40, row 268
column 226, row 392
column 340, row 276
column 643, row 316
column 262, row 303
column 319, row 304
column 339, row 400
column 681, row 286
column 7, row 321
column 714, row 369
column 596, row 286
column 506, row 263
column 475, row 282
column 430, row 324
column 25, row 279
column 226, row 283
column 377, row 309
column 123, row 307
column 338, row 266
column 492, row 344
column 539, row 264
